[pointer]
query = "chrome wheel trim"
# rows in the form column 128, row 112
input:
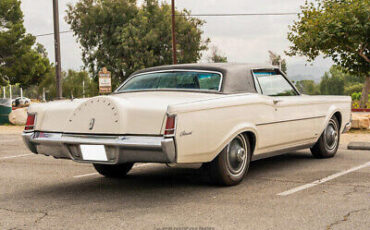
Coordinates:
column 237, row 155
column 331, row 135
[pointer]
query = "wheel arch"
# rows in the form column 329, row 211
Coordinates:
column 248, row 131
column 338, row 115
column 333, row 111
column 252, row 139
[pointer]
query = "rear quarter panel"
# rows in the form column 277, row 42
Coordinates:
column 214, row 123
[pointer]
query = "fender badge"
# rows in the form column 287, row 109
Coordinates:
column 184, row 133
column 92, row 123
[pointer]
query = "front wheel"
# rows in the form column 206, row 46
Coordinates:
column 113, row 171
column 328, row 143
column 231, row 165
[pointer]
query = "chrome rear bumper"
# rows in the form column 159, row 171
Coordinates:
column 119, row 149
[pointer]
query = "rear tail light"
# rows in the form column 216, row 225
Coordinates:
column 170, row 125
column 30, row 122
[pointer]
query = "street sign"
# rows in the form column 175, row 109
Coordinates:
column 105, row 83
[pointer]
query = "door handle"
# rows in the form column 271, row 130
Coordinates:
column 276, row 101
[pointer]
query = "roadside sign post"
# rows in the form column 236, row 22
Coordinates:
column 43, row 94
column 83, row 89
column 105, row 82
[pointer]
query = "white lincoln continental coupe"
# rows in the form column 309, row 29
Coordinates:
column 221, row 115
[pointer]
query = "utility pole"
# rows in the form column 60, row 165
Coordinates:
column 174, row 58
column 57, row 49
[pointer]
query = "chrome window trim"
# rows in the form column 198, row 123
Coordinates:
column 174, row 70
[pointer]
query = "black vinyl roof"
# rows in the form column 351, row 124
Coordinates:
column 237, row 77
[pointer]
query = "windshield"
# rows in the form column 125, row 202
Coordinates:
column 192, row 80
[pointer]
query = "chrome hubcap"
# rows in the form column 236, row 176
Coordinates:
column 240, row 155
column 237, row 155
column 331, row 135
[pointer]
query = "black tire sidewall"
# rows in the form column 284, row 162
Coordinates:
column 113, row 171
column 227, row 178
column 320, row 149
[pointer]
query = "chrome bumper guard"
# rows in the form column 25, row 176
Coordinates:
column 119, row 149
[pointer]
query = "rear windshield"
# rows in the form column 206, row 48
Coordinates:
column 191, row 80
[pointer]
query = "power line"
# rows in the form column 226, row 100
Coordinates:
column 47, row 34
column 240, row 14
column 204, row 15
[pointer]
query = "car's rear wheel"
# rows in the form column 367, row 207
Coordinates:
column 231, row 165
column 328, row 143
column 113, row 171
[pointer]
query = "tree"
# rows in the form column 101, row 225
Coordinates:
column 74, row 82
column 339, row 29
column 72, row 85
column 216, row 57
column 339, row 82
column 332, row 85
column 308, row 87
column 48, row 83
column 277, row 60
column 356, row 88
column 125, row 37
column 19, row 61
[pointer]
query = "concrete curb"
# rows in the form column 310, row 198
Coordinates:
column 359, row 145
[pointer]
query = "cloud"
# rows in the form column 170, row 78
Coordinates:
column 38, row 19
column 241, row 39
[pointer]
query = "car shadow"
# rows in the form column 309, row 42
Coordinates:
column 158, row 183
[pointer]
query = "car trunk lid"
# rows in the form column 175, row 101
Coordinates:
column 136, row 113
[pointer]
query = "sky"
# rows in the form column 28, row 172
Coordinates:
column 241, row 39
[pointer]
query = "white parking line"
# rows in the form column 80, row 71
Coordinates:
column 10, row 157
column 85, row 175
column 94, row 174
column 323, row 180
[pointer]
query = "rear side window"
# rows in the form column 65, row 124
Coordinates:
column 274, row 84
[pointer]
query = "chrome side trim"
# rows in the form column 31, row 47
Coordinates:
column 299, row 119
column 280, row 152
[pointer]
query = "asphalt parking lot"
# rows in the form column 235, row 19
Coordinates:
column 38, row 192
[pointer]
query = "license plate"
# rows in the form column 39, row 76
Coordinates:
column 93, row 152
